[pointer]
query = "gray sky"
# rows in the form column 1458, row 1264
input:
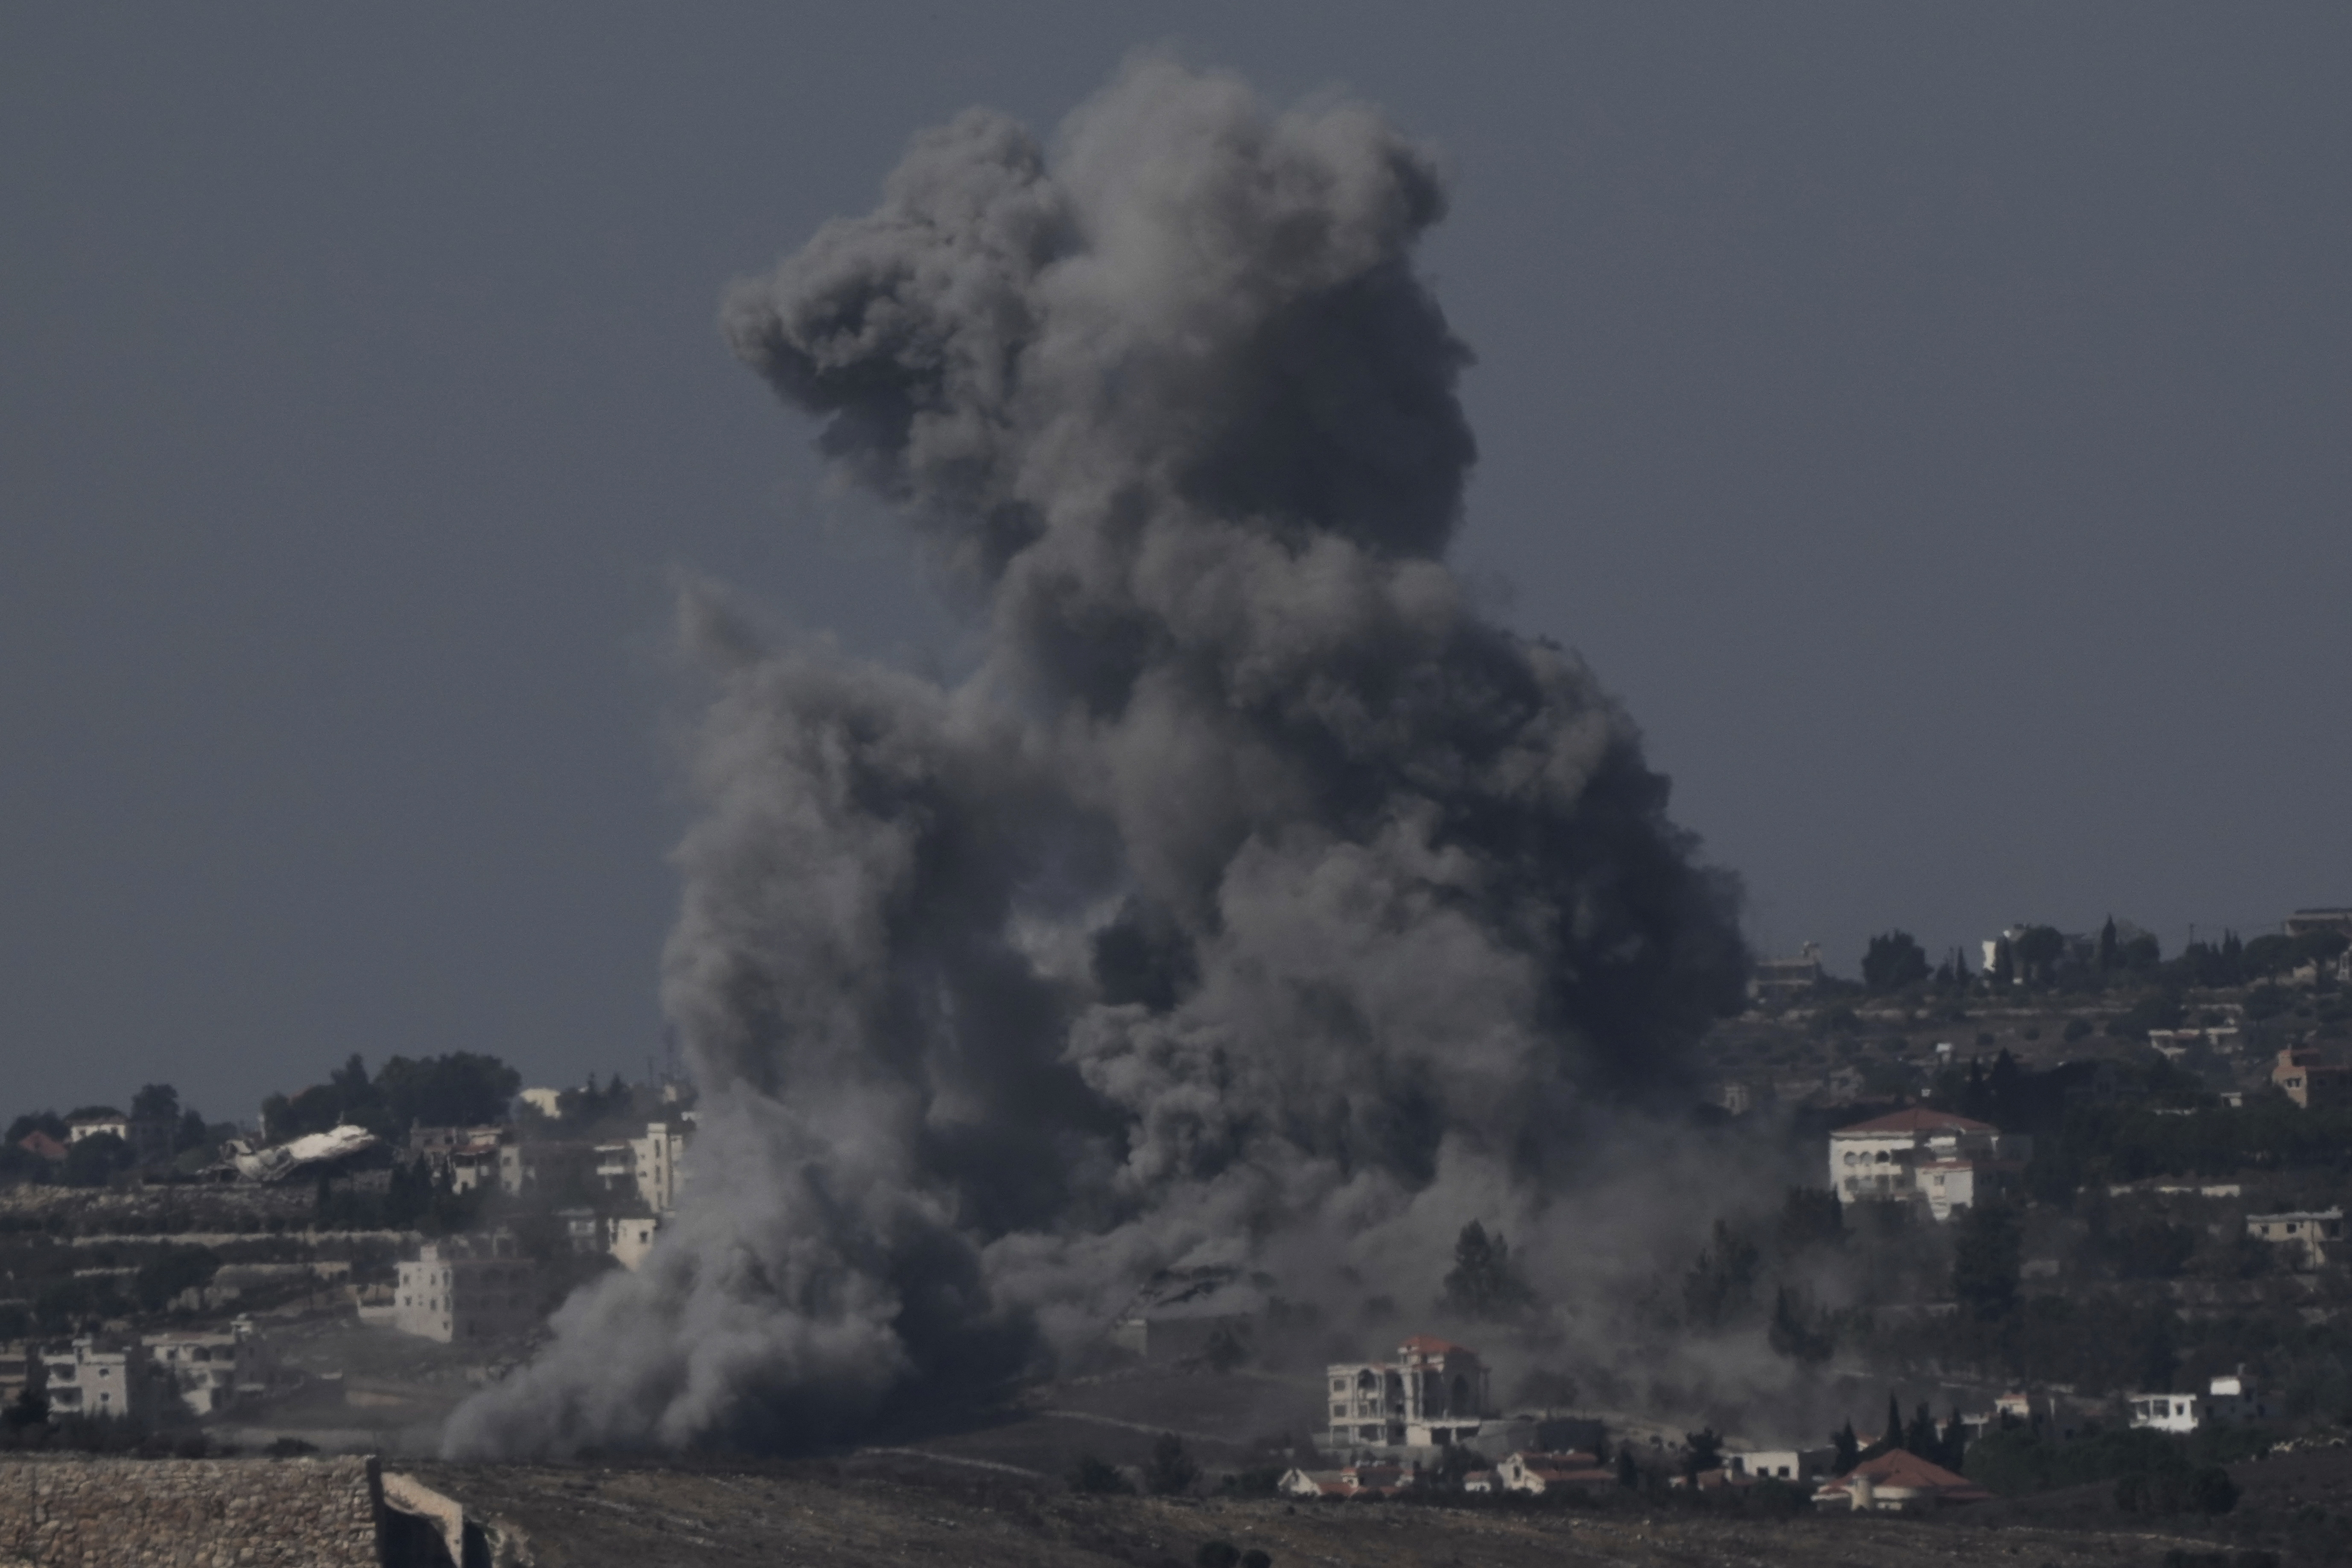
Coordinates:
column 1932, row 421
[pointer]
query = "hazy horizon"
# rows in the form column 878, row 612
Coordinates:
column 1926, row 424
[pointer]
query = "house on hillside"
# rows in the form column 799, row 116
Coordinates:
column 461, row 1288
column 214, row 1369
column 1368, row 1478
column 1434, row 1395
column 2309, row 1079
column 93, row 1376
column 1538, row 1473
column 1898, row 1482
column 1943, row 1161
column 1787, row 979
column 2307, row 1236
column 43, row 1146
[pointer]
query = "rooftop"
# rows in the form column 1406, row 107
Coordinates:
column 1918, row 1119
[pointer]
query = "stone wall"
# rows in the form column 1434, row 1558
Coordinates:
column 189, row 1513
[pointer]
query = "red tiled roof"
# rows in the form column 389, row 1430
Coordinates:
column 41, row 1144
column 1901, row 1467
column 1919, row 1119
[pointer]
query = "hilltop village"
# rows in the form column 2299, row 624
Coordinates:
column 2059, row 1211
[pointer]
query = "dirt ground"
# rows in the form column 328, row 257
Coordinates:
column 908, row 1510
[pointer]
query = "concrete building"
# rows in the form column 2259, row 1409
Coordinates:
column 2234, row 1397
column 1433, row 1395
column 633, row 1238
column 652, row 1168
column 1771, row 1464
column 461, row 1288
column 214, row 1371
column 98, row 1377
column 2309, row 1079
column 547, row 1165
column 1944, row 1161
column 2308, row 1235
column 2174, row 1413
column 1787, row 979
column 660, row 1158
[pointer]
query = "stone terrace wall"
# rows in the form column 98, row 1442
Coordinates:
column 189, row 1513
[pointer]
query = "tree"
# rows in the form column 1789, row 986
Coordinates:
column 1789, row 1336
column 1893, row 962
column 1484, row 1282
column 1810, row 1217
column 2268, row 956
column 1702, row 1451
column 2036, row 952
column 1849, row 1447
column 1095, row 1477
column 1956, row 1441
column 155, row 1102
column 180, row 1268
column 33, row 1121
column 1217, row 1555
column 1629, row 1470
column 1894, row 1437
column 1721, row 1285
column 1920, row 1436
column 91, row 1162
column 30, row 1408
column 1171, row 1471
column 1985, row 1261
column 2003, row 973
column 2110, row 951
column 462, row 1089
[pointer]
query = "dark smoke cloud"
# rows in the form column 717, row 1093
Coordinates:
column 1253, row 900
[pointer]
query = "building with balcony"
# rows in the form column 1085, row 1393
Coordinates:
column 1944, row 1161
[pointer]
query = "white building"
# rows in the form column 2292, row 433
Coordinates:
column 1767, row 1463
column 214, row 1370
column 661, row 1163
column 1933, row 1157
column 633, row 1237
column 456, row 1290
column 2166, row 1412
column 2231, row 1397
column 113, row 1121
column 1433, row 1395
column 2307, row 1235
column 2234, row 1397
column 87, row 1378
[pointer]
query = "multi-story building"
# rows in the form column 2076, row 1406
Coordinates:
column 652, row 1167
column 214, row 1370
column 1432, row 1396
column 2309, row 1079
column 1944, row 1161
column 466, row 1288
column 98, row 1377
column 548, row 1165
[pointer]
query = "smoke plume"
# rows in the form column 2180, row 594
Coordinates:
column 1254, row 901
